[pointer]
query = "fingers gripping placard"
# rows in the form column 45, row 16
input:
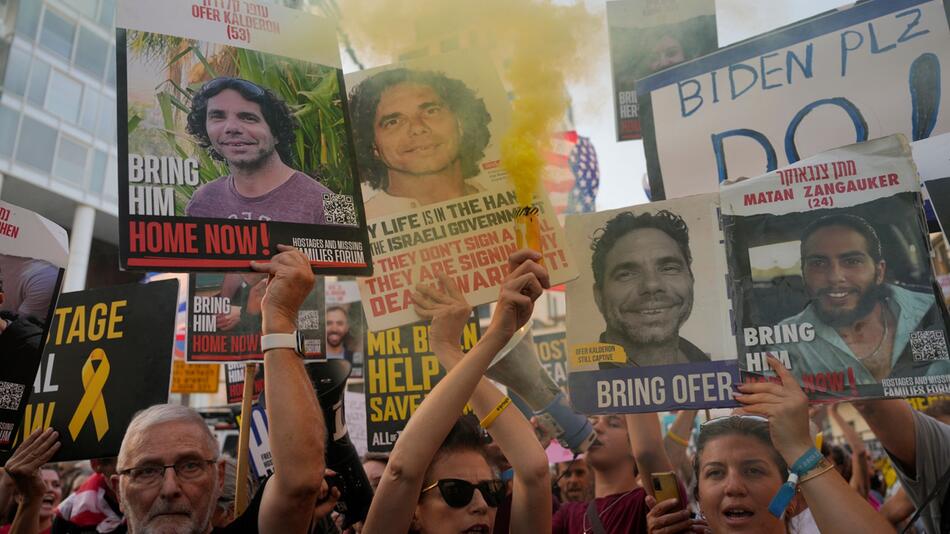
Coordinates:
column 92, row 402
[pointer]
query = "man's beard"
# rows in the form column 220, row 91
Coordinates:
column 181, row 525
column 255, row 164
column 837, row 318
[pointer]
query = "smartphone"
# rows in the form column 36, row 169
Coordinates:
column 666, row 485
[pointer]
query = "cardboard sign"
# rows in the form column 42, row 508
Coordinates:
column 400, row 371
column 832, row 275
column 233, row 130
column 849, row 75
column 647, row 36
column 650, row 328
column 462, row 223
column 33, row 255
column 108, row 356
column 224, row 318
column 194, row 377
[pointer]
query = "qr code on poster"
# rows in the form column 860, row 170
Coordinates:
column 10, row 395
column 339, row 209
column 928, row 345
column 309, row 320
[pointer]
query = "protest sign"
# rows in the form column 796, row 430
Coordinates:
column 437, row 199
column 33, row 255
column 345, row 324
column 108, row 356
column 852, row 74
column 234, row 382
column 552, row 353
column 224, row 318
column 400, row 371
column 831, row 274
column 932, row 157
column 649, row 328
column 194, row 377
column 233, row 130
column 647, row 36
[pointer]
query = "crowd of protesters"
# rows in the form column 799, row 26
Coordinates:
column 764, row 468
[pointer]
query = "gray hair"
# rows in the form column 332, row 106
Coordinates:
column 160, row 414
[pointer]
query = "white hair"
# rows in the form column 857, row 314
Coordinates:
column 160, row 414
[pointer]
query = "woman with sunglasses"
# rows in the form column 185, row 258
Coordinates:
column 434, row 485
column 744, row 482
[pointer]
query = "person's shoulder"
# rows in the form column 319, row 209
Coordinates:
column 692, row 352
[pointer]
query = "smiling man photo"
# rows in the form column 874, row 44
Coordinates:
column 419, row 138
column 251, row 129
column 643, row 287
column 861, row 321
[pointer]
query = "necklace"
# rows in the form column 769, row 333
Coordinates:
column 883, row 337
column 600, row 514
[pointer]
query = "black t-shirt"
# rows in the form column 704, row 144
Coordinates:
column 247, row 522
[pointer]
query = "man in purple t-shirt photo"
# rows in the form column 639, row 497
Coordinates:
column 251, row 129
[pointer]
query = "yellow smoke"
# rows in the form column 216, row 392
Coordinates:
column 542, row 43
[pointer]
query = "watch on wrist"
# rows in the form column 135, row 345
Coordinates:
column 293, row 341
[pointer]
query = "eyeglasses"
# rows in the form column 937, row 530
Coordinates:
column 458, row 493
column 149, row 475
column 727, row 418
column 250, row 88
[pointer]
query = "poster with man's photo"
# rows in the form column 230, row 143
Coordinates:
column 647, row 36
column 345, row 324
column 831, row 275
column 234, row 134
column 33, row 256
column 650, row 322
column 224, row 318
column 427, row 134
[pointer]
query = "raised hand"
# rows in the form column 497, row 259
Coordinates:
column 23, row 466
column 786, row 407
column 445, row 305
column 526, row 281
column 290, row 281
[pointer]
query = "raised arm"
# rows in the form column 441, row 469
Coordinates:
column 836, row 507
column 23, row 468
column 445, row 305
column 646, row 440
column 676, row 442
column 295, row 421
column 892, row 422
column 402, row 480
column 860, row 474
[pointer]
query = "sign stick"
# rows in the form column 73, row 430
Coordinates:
column 244, row 437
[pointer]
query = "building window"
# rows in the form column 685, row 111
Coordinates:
column 64, row 97
column 107, row 15
column 27, row 17
column 91, row 53
column 85, row 7
column 39, row 139
column 18, row 69
column 99, row 161
column 38, row 78
column 57, row 34
column 9, row 119
column 106, row 130
column 87, row 119
column 70, row 161
column 111, row 187
column 110, row 68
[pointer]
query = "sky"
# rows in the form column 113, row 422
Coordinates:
column 622, row 164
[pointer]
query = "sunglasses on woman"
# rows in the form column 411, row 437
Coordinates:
column 458, row 493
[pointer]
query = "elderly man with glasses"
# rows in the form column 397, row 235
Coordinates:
column 169, row 472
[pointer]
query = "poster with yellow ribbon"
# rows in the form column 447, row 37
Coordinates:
column 108, row 356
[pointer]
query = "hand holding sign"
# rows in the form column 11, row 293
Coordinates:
column 290, row 281
column 526, row 281
column 445, row 305
column 786, row 406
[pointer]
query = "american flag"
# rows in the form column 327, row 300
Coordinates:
column 572, row 176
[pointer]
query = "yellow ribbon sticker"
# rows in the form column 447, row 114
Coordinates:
column 92, row 402
column 595, row 353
